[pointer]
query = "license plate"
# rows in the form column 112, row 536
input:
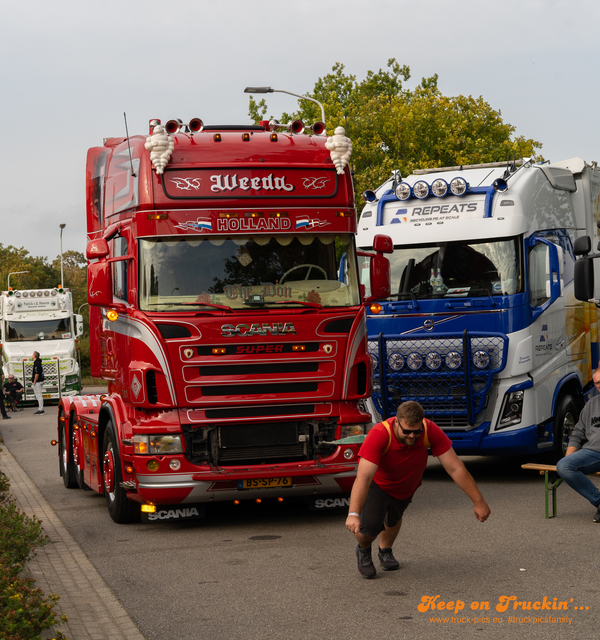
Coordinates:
column 264, row 483
column 46, row 395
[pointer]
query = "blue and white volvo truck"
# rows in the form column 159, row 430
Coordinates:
column 482, row 327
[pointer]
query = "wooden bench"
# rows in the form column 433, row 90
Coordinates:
column 551, row 482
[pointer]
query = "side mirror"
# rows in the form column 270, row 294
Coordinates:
column 584, row 279
column 97, row 249
column 380, row 278
column 582, row 246
column 383, row 244
column 100, row 290
column 78, row 325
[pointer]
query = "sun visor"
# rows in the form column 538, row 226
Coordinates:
column 559, row 178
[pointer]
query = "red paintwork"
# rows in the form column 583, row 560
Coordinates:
column 232, row 175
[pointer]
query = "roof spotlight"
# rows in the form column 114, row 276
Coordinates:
column 421, row 189
column 459, row 186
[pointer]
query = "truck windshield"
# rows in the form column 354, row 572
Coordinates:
column 247, row 272
column 57, row 329
column 457, row 269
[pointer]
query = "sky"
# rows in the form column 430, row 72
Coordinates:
column 70, row 69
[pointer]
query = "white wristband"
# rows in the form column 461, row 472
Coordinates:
column 354, row 514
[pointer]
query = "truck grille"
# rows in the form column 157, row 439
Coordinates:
column 450, row 377
column 257, row 443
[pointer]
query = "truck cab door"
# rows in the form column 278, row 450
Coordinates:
column 547, row 302
column 546, row 267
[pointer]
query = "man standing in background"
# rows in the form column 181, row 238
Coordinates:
column 37, row 377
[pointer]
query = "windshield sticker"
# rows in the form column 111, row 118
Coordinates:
column 304, row 222
column 65, row 336
column 201, row 224
column 434, row 213
column 233, row 292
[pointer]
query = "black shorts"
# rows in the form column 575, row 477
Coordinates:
column 381, row 510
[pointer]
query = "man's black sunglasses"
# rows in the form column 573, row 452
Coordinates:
column 411, row 432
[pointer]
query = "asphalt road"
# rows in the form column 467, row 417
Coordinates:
column 278, row 571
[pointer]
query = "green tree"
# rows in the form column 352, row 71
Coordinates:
column 40, row 274
column 393, row 127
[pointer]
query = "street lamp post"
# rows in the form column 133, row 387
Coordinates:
column 271, row 90
column 62, row 226
column 14, row 273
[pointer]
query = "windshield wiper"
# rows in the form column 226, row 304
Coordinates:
column 193, row 304
column 223, row 307
column 314, row 305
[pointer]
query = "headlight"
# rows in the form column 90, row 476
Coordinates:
column 512, row 409
column 157, row 444
column 421, row 189
column 396, row 361
column 439, row 187
column 481, row 359
column 414, row 361
column 403, row 191
column 458, row 186
column 433, row 361
column 453, row 360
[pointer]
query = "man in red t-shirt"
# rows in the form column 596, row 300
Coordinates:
column 389, row 472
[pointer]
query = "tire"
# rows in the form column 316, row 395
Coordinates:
column 67, row 468
column 565, row 419
column 120, row 509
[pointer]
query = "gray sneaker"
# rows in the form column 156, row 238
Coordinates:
column 366, row 568
column 387, row 560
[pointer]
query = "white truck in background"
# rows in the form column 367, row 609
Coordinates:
column 482, row 326
column 41, row 320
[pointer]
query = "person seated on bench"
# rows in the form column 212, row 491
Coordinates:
column 583, row 452
column 13, row 391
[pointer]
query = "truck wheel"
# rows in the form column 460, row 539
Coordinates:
column 121, row 510
column 67, row 470
column 565, row 419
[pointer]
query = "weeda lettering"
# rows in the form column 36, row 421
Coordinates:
column 231, row 182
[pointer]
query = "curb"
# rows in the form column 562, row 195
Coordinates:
column 62, row 568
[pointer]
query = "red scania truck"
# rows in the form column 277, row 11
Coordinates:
column 226, row 314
